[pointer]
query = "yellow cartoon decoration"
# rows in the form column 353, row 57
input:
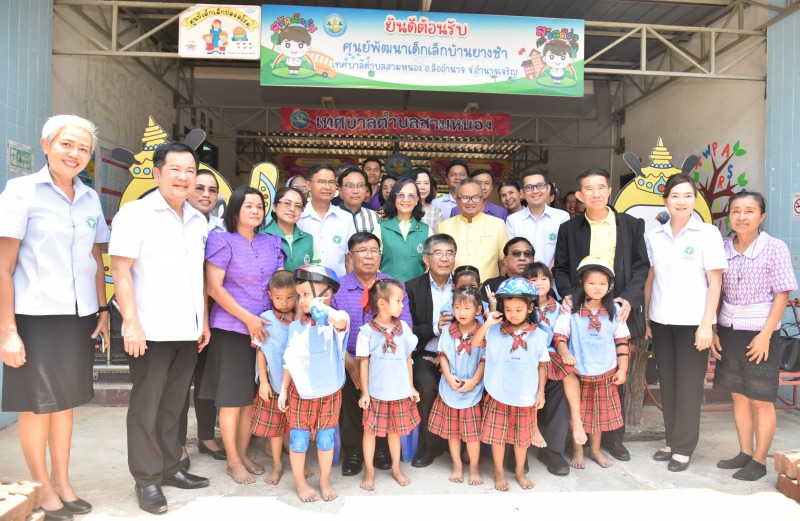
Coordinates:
column 644, row 196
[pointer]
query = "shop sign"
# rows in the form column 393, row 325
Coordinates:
column 220, row 32
column 379, row 49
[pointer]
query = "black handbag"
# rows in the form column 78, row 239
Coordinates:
column 790, row 344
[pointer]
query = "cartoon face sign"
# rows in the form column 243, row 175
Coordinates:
column 294, row 49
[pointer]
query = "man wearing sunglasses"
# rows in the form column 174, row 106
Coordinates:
column 539, row 223
column 519, row 253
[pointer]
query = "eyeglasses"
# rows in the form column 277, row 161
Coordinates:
column 522, row 253
column 406, row 197
column 595, row 189
column 466, row 199
column 288, row 205
column 439, row 254
column 355, row 188
column 537, row 186
column 200, row 189
column 321, row 183
column 374, row 252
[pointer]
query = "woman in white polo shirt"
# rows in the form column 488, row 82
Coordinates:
column 51, row 286
column 681, row 296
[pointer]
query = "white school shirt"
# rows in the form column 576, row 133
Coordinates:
column 541, row 232
column 330, row 233
column 680, row 263
column 167, row 270
column 55, row 271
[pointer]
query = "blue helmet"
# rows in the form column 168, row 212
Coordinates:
column 317, row 273
column 517, row 287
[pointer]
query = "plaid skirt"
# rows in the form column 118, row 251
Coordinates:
column 601, row 410
column 313, row 414
column 455, row 424
column 267, row 420
column 384, row 417
column 507, row 423
column 557, row 370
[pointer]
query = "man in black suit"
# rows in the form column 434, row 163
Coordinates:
column 426, row 295
column 618, row 237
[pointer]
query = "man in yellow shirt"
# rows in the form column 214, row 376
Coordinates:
column 480, row 237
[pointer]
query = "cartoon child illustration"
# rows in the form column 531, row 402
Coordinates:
column 216, row 29
column 239, row 34
column 223, row 41
column 209, row 39
column 557, row 55
column 294, row 42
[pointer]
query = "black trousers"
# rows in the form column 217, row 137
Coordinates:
column 161, row 379
column 553, row 418
column 426, row 382
column 350, row 421
column 681, row 371
column 204, row 410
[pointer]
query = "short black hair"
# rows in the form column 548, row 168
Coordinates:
column 762, row 204
column 360, row 238
column 456, row 162
column 160, row 155
column 415, row 173
column 679, row 179
column 436, row 238
column 590, row 172
column 238, row 196
column 390, row 205
column 206, row 171
column 316, row 168
column 467, row 271
column 350, row 170
column 534, row 170
column 514, row 240
column 282, row 279
column 481, row 171
column 371, row 159
column 508, row 182
column 380, row 290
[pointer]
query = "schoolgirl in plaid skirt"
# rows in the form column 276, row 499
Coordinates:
column 456, row 412
column 595, row 344
column 388, row 397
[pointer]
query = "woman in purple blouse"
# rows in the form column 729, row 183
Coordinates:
column 239, row 264
column 755, row 290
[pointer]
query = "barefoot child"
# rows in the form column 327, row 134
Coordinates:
column 313, row 376
column 267, row 420
column 542, row 278
column 456, row 412
column 515, row 375
column 388, row 397
column 598, row 352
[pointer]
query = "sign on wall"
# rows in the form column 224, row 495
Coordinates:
column 19, row 157
column 220, row 32
column 321, row 121
column 364, row 48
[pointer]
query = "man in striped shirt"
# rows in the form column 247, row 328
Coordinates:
column 353, row 184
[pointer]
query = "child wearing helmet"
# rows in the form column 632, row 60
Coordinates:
column 595, row 343
column 515, row 376
column 313, row 376
column 388, row 396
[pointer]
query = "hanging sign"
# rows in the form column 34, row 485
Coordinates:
column 364, row 48
column 220, row 32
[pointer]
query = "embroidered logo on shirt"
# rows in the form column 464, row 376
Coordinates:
column 552, row 236
column 91, row 222
column 337, row 239
column 688, row 250
column 419, row 248
column 307, row 259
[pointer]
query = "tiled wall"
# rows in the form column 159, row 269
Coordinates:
column 783, row 136
column 25, row 50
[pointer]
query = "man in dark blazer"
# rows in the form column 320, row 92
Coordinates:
column 618, row 237
column 426, row 295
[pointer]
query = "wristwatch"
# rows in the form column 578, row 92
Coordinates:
column 104, row 308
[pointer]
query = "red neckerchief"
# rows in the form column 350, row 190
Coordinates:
column 547, row 308
column 306, row 318
column 397, row 329
column 283, row 318
column 594, row 318
column 466, row 338
column 505, row 329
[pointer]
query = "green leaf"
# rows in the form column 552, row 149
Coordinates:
column 696, row 176
column 742, row 179
column 736, row 146
column 740, row 152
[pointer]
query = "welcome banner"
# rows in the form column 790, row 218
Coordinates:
column 365, row 48
column 320, row 121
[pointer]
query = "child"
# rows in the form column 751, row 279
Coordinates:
column 467, row 275
column 267, row 420
column 388, row 396
column 541, row 277
column 598, row 351
column 515, row 376
column 313, row 376
column 456, row 412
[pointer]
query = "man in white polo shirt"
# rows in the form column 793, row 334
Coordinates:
column 538, row 222
column 330, row 226
column 157, row 249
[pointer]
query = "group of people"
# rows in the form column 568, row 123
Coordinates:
column 365, row 317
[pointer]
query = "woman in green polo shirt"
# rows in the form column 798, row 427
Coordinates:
column 402, row 233
column 297, row 244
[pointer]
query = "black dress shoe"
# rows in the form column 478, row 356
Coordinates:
column 556, row 465
column 384, row 462
column 618, row 450
column 676, row 466
column 220, row 454
column 353, row 464
column 662, row 455
column 78, row 506
column 183, row 479
column 151, row 499
column 421, row 459
column 62, row 514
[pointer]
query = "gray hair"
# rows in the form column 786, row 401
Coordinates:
column 467, row 181
column 57, row 124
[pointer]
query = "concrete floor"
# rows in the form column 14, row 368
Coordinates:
column 640, row 487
